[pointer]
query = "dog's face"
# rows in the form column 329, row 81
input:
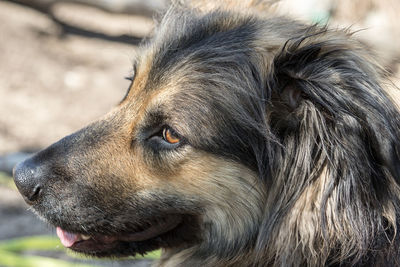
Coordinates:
column 237, row 142
column 170, row 166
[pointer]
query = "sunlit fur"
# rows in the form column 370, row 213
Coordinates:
column 290, row 150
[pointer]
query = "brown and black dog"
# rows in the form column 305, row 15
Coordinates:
column 245, row 139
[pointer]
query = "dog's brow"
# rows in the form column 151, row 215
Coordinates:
column 153, row 118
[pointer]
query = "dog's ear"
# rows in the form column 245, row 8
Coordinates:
column 326, row 81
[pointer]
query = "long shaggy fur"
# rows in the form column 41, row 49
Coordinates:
column 331, row 163
column 288, row 152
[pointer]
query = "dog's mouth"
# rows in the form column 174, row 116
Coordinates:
column 102, row 245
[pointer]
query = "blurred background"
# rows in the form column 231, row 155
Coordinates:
column 62, row 65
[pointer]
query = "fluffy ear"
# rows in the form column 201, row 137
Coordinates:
column 336, row 173
column 328, row 75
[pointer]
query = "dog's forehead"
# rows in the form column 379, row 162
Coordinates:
column 185, row 43
column 190, row 50
column 196, row 64
column 208, row 64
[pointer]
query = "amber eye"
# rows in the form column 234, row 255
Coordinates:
column 170, row 136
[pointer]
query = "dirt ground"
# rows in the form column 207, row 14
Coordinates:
column 52, row 85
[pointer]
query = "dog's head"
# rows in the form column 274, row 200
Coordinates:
column 240, row 138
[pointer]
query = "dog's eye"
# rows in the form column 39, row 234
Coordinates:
column 165, row 139
column 170, row 136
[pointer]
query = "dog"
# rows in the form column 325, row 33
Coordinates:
column 245, row 139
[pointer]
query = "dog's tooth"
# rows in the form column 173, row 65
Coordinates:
column 85, row 237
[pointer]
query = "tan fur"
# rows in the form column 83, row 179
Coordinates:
column 227, row 186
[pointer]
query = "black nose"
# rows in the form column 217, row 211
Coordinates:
column 27, row 178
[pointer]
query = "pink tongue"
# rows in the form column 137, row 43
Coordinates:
column 67, row 238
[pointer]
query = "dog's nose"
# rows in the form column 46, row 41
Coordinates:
column 27, row 178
